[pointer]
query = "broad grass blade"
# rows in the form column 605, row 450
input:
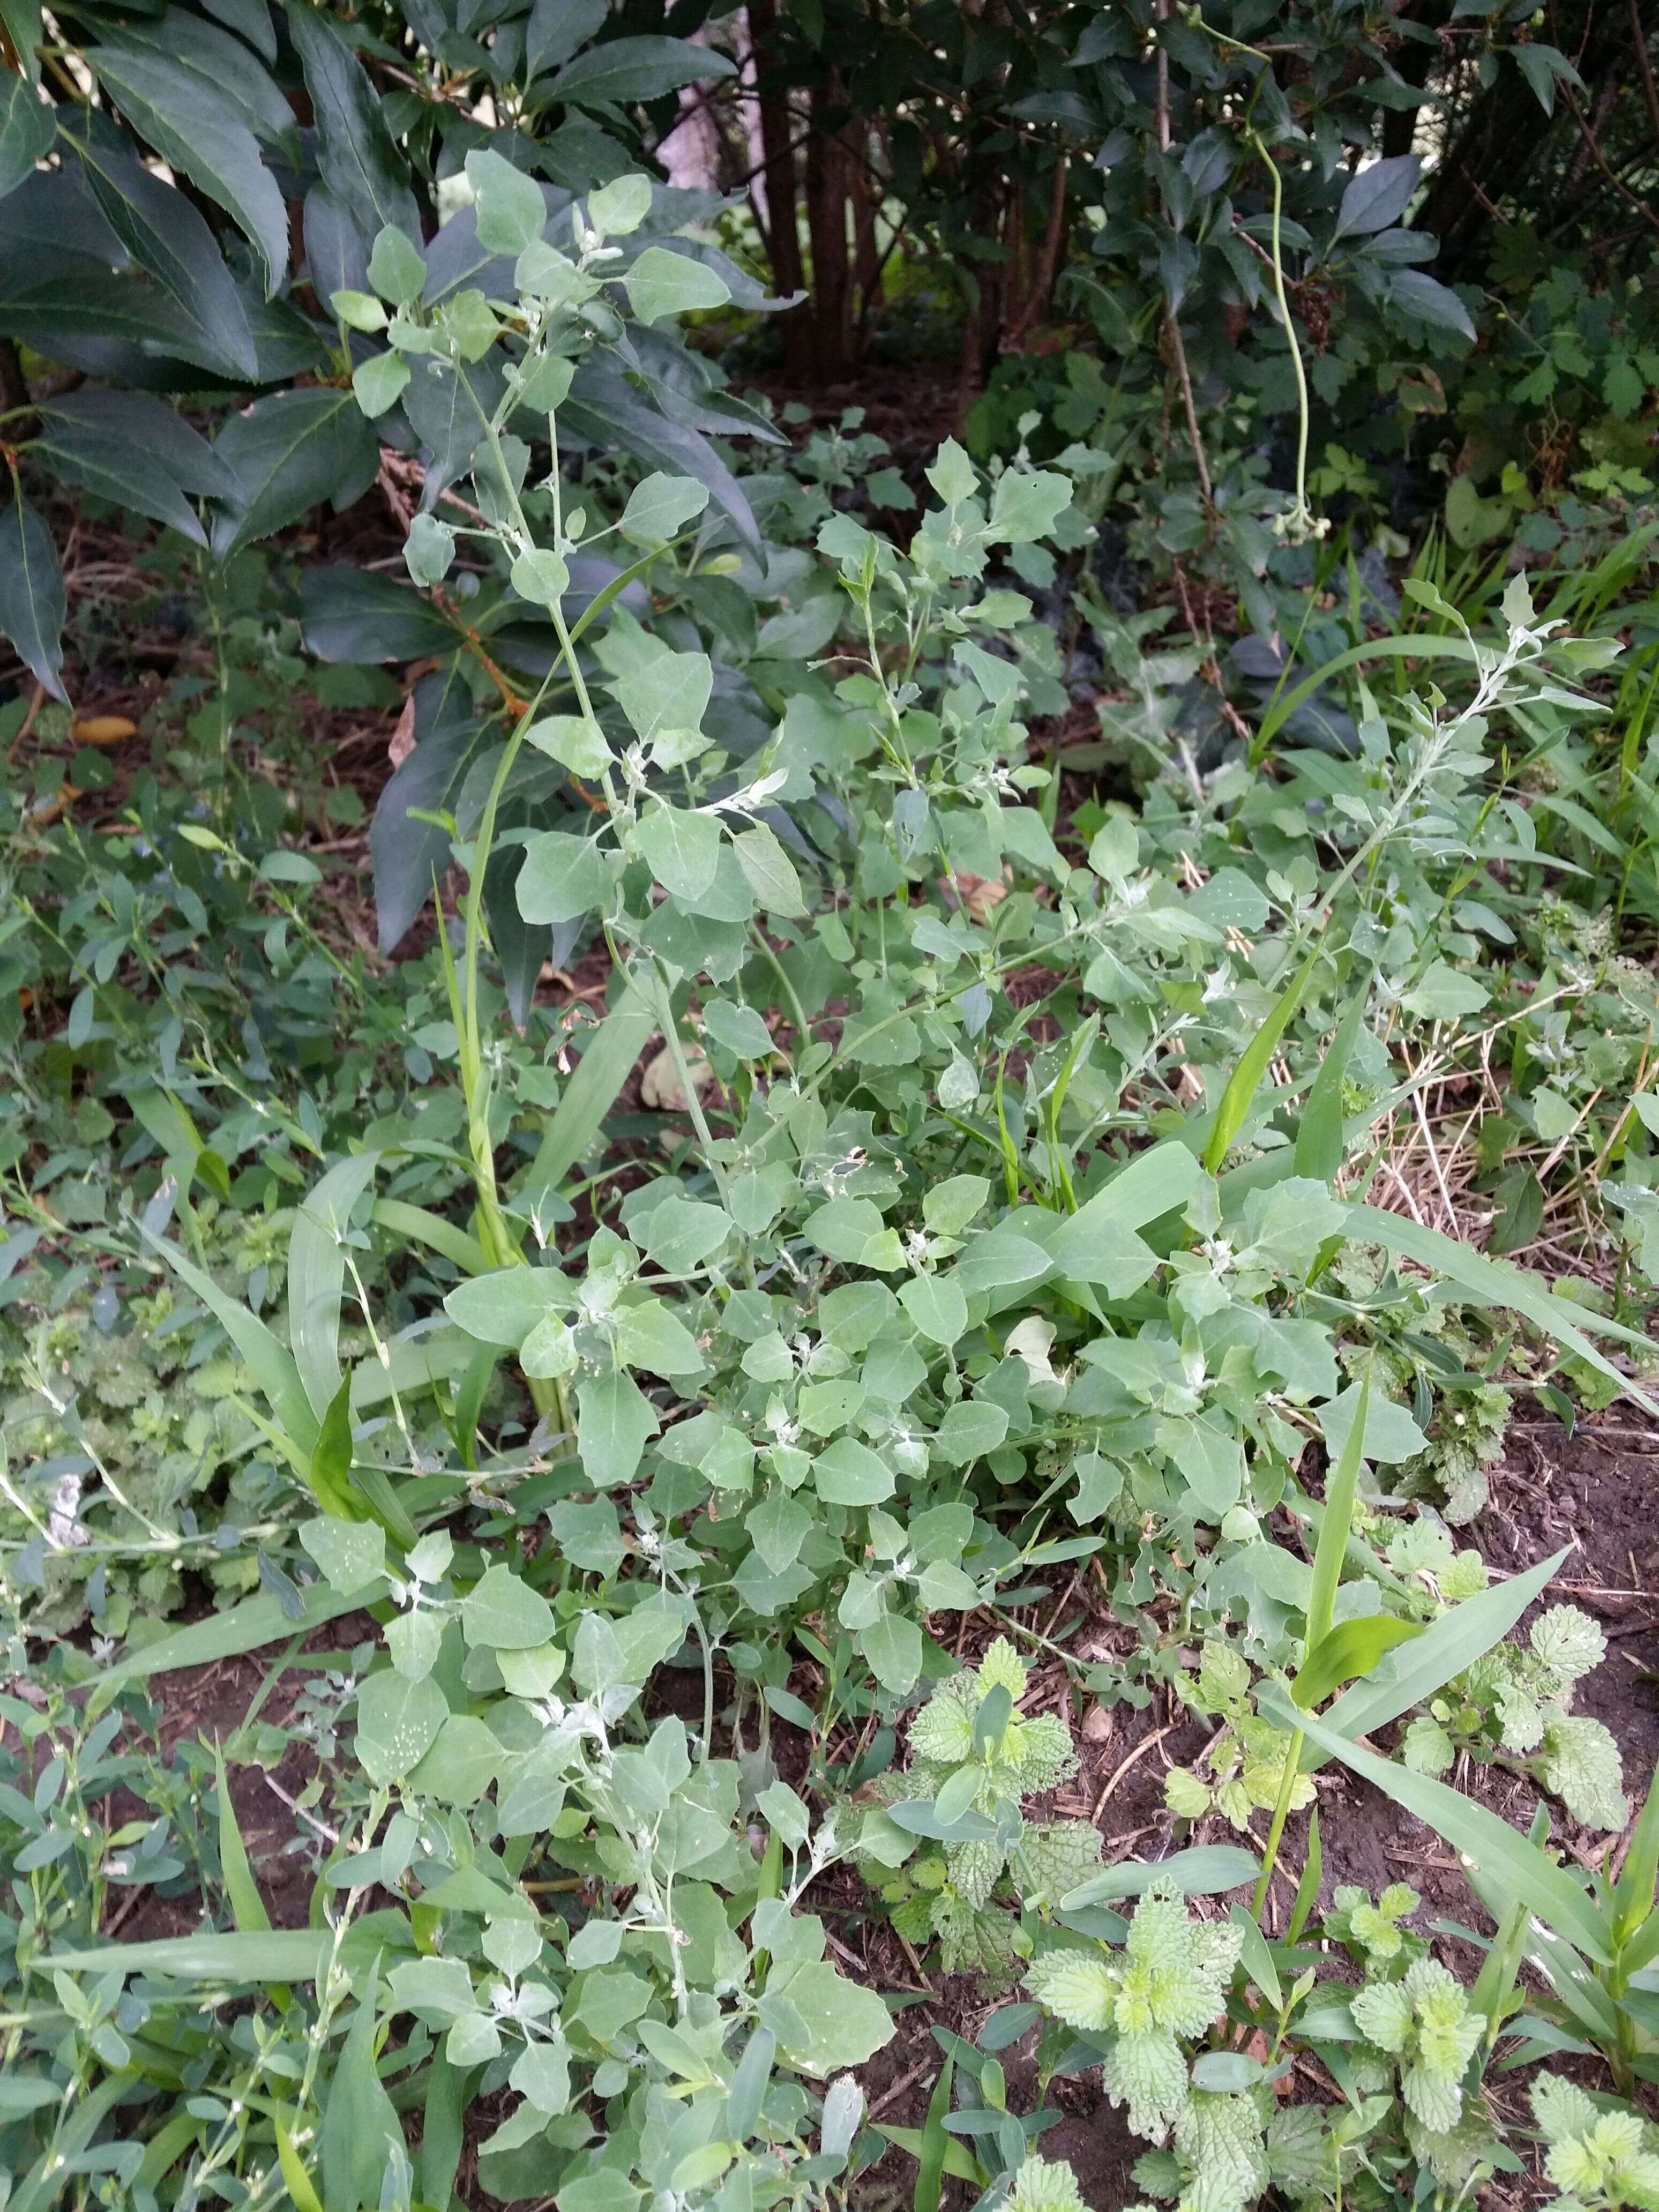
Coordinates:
column 247, row 1627
column 1351, row 1648
column 295, row 2179
column 935, row 2143
column 1413, row 648
column 268, row 1361
column 247, row 1907
column 1518, row 1868
column 1491, row 1282
column 1319, row 1144
column 418, row 1226
column 1633, row 1896
column 1204, row 1871
column 1154, row 1183
column 1445, row 1649
column 1313, row 1868
column 1246, row 1078
column 316, row 1277
column 591, row 1092
column 275, row 1954
column 1335, row 1526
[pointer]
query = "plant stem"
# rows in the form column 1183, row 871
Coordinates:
column 1276, row 1831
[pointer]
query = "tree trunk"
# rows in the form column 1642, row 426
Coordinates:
column 826, row 222
column 782, row 235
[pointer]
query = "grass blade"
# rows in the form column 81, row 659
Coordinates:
column 1519, row 1869
column 592, row 1090
column 268, row 1362
column 1351, row 1648
column 1411, row 648
column 1491, row 1282
column 1445, row 1649
column 274, row 1955
column 1246, row 1078
column 1633, row 1896
column 935, row 2142
column 1204, row 1871
column 295, row 2179
column 247, row 1907
column 1335, row 1526
column 316, row 1277
column 1313, row 1870
column 959, row 2161
column 247, row 1627
column 1319, row 1146
column 418, row 1226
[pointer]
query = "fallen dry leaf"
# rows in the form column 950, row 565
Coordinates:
column 660, row 1086
column 402, row 737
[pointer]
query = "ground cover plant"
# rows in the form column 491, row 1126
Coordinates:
column 877, row 1199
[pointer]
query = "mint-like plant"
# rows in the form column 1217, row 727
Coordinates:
column 1243, row 1763
column 1517, row 1700
column 1218, row 2159
column 1143, row 2003
column 1371, row 1931
column 1045, row 2185
column 1601, row 2160
column 1425, row 2022
column 974, row 1756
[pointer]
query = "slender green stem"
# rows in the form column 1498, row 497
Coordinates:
column 1302, row 514
column 1276, row 1829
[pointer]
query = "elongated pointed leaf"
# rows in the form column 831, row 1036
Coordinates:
column 247, row 1627
column 316, row 1276
column 27, row 129
column 1634, row 1896
column 200, row 133
column 1319, row 1146
column 608, row 412
column 32, row 594
column 1498, row 1283
column 417, row 1225
column 269, row 1363
column 1336, row 1525
column 625, row 70
column 1351, row 1648
column 250, row 20
column 1246, row 1078
column 289, row 453
column 410, row 853
column 295, row 2179
column 1383, row 648
column 1409, row 1676
column 360, row 164
column 591, row 1091
column 166, row 235
column 1204, row 1871
column 1519, row 1868
column 275, row 1954
column 135, row 450
column 219, row 66
column 247, row 1907
column 22, row 19
column 935, row 2143
column 959, row 2162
